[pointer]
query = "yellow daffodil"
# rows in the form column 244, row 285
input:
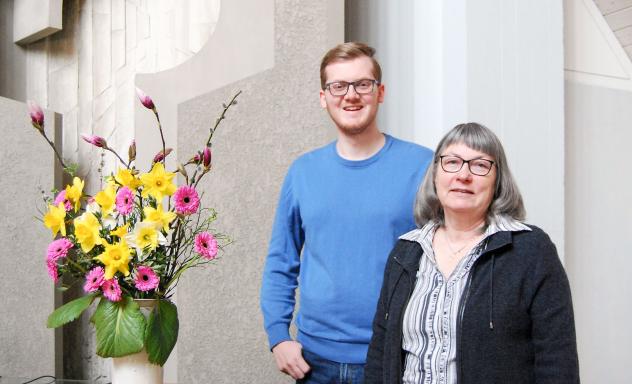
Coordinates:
column 116, row 257
column 106, row 199
column 158, row 216
column 55, row 219
column 120, row 231
column 126, row 178
column 73, row 193
column 145, row 238
column 157, row 183
column 87, row 231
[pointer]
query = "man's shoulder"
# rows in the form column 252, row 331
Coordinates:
column 314, row 156
column 410, row 148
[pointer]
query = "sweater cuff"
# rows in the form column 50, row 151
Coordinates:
column 278, row 334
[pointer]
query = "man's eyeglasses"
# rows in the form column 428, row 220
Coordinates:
column 361, row 87
column 453, row 164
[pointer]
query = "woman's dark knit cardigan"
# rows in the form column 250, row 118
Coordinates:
column 516, row 317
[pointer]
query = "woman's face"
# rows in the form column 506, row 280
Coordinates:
column 462, row 192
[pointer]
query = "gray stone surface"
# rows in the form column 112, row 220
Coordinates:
column 27, row 347
column 278, row 117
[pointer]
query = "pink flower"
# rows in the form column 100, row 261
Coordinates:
column 187, row 200
column 95, row 140
column 51, row 266
column 94, row 280
column 146, row 279
column 58, row 249
column 124, row 201
column 206, row 245
column 111, row 289
column 207, row 156
column 61, row 197
column 37, row 115
column 161, row 155
column 144, row 99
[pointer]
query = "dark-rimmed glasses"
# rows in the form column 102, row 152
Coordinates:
column 361, row 87
column 453, row 164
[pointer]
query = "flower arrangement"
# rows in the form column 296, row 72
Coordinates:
column 132, row 240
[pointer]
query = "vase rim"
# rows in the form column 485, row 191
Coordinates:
column 144, row 303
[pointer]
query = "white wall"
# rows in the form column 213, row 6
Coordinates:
column 598, row 213
column 499, row 63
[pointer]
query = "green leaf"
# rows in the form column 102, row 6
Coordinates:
column 120, row 327
column 162, row 332
column 69, row 311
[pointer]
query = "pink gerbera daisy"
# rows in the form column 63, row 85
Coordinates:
column 111, row 290
column 146, row 279
column 94, row 280
column 187, row 200
column 51, row 266
column 124, row 201
column 58, row 249
column 206, row 245
column 61, row 197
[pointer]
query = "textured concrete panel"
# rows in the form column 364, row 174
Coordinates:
column 278, row 117
column 102, row 47
column 27, row 347
column 118, row 49
column 60, row 82
column 36, row 19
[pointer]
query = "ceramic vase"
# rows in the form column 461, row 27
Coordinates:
column 136, row 368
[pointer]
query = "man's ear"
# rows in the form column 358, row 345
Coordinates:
column 380, row 93
column 323, row 101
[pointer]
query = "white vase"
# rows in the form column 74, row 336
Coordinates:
column 136, row 368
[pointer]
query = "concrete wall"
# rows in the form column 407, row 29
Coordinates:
column 27, row 347
column 598, row 228
column 598, row 119
column 12, row 57
column 278, row 117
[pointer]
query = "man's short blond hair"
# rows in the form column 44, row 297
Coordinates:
column 349, row 51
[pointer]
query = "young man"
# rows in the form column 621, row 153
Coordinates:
column 343, row 206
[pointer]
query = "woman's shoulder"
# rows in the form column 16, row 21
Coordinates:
column 534, row 236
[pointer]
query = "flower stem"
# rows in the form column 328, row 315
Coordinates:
column 61, row 161
column 119, row 157
column 162, row 137
column 222, row 117
column 76, row 265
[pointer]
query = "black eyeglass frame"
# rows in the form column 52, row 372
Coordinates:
column 463, row 161
column 352, row 83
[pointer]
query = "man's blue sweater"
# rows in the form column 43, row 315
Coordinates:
column 345, row 216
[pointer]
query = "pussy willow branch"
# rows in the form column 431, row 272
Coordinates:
column 222, row 117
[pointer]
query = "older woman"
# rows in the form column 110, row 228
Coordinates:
column 473, row 295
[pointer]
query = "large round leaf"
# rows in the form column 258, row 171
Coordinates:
column 120, row 327
column 69, row 311
column 162, row 332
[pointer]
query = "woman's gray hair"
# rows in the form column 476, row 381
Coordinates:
column 507, row 200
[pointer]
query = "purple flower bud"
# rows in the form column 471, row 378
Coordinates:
column 37, row 115
column 95, row 140
column 144, row 99
column 197, row 159
column 207, row 157
column 161, row 155
column 131, row 152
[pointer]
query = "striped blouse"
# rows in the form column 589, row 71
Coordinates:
column 430, row 319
